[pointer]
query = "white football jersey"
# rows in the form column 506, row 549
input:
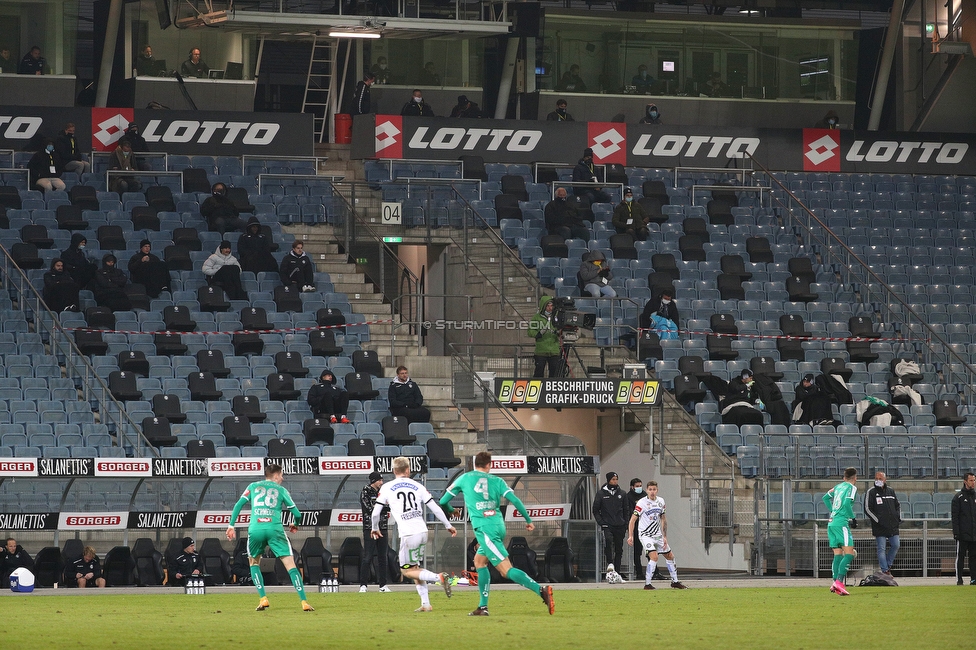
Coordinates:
column 406, row 499
column 649, row 512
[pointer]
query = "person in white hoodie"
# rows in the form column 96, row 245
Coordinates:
column 223, row 270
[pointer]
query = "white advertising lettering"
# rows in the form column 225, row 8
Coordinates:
column 183, row 131
column 354, row 465
column 707, row 145
column 100, row 521
column 20, row 128
column 509, row 464
column 883, row 151
column 468, row 139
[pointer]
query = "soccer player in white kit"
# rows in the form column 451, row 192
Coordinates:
column 406, row 498
column 653, row 534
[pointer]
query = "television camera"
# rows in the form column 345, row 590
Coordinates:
column 567, row 320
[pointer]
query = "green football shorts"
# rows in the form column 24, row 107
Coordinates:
column 839, row 535
column 273, row 538
column 491, row 544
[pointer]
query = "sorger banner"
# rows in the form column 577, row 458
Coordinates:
column 579, row 393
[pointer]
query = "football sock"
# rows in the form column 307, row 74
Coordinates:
column 521, row 577
column 484, row 585
column 429, row 576
column 424, row 597
column 296, row 581
column 673, row 570
column 649, row 572
column 844, row 563
column 835, row 567
column 257, row 579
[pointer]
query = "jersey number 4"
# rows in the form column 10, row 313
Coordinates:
column 265, row 498
column 481, row 487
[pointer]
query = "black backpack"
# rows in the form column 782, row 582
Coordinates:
column 877, row 580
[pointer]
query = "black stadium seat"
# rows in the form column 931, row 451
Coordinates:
column 149, row 563
column 350, row 559
column 560, row 561
column 316, row 561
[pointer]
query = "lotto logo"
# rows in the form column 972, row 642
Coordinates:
column 821, row 150
column 389, row 136
column 608, row 141
column 108, row 126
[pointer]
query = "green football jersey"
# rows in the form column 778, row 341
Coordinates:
column 483, row 494
column 840, row 500
column 268, row 500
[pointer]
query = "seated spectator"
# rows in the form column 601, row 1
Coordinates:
column 139, row 145
column 572, row 81
column 429, row 76
column 187, row 563
column 663, row 306
column 32, row 63
column 829, row 121
column 651, row 115
column 123, row 159
column 88, row 570
column 76, row 263
column 13, row 557
column 109, row 286
column 560, row 114
column 642, row 81
column 7, row 63
column 585, row 172
column 465, row 108
column 405, row 397
column 417, row 107
column 220, row 212
column 255, row 249
column 45, row 168
column 297, row 268
column 327, row 400
column 594, row 276
column 811, row 405
column 629, row 217
column 60, row 289
column 563, row 219
column 241, row 566
column 67, row 148
column 147, row 269
column 223, row 270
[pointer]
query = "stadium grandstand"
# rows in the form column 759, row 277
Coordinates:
column 809, row 186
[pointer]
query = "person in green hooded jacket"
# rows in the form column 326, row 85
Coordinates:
column 548, row 350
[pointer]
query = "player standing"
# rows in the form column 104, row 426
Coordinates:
column 268, row 498
column 483, row 493
column 839, row 500
column 653, row 534
column 406, row 499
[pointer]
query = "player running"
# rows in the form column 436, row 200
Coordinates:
column 268, row 498
column 839, row 500
column 483, row 493
column 653, row 535
column 406, row 499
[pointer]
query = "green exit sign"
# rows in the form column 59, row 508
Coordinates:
column 929, row 28
column 392, row 240
column 362, row 260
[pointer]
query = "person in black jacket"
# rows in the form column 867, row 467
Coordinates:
column 371, row 547
column 465, row 108
column 811, row 405
column 241, row 566
column 147, row 269
column 328, row 400
column 109, row 286
column 297, row 268
column 585, row 172
column 87, row 570
column 563, row 219
column 361, row 103
column 60, row 289
column 45, row 168
column 663, row 306
column 417, row 107
column 636, row 494
column 964, row 526
column 882, row 508
column 405, row 397
column 67, row 148
column 255, row 249
column 14, row 557
column 610, row 512
column 76, row 263
column 188, row 562
column 220, row 212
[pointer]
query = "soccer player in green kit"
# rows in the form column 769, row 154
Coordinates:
column 483, row 493
column 839, row 500
column 268, row 498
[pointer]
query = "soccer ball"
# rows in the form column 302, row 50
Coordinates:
column 613, row 577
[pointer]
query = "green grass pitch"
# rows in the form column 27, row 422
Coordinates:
column 777, row 617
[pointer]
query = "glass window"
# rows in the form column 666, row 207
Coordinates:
column 50, row 26
column 427, row 63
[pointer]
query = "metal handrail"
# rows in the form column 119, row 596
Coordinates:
column 60, row 340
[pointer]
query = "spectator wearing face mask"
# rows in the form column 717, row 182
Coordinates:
column 594, row 276
column 220, row 212
column 417, row 107
column 629, row 217
column 123, row 159
column 560, row 114
column 663, row 306
column 45, row 168
column 636, row 494
column 642, row 81
column 829, row 121
column 651, row 115
column 381, row 70
column 139, row 145
column 76, row 263
column 585, row 172
column 563, row 219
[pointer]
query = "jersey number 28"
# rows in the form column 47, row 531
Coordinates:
column 265, row 498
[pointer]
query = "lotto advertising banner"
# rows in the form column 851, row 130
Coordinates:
column 641, row 145
column 208, row 133
column 577, row 393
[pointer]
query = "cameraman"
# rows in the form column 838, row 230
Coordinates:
column 547, row 347
column 594, row 276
